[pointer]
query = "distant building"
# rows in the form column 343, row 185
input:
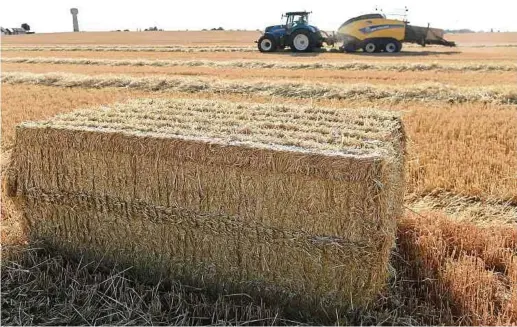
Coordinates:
column 18, row 31
column 12, row 31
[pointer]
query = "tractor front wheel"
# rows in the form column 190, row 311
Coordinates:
column 267, row 43
column 301, row 41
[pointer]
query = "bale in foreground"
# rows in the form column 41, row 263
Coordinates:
column 295, row 204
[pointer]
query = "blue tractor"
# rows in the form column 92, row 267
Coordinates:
column 296, row 33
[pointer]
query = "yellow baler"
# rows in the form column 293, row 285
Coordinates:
column 375, row 33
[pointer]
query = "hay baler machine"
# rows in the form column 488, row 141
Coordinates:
column 376, row 33
column 370, row 33
column 296, row 33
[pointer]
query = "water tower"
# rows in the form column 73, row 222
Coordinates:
column 74, row 13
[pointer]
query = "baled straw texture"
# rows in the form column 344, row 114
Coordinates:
column 295, row 202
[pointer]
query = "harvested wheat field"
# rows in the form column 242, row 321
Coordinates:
column 161, row 38
column 285, row 205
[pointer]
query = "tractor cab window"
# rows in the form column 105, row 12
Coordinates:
column 293, row 20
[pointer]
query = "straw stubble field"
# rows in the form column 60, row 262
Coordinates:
column 455, row 261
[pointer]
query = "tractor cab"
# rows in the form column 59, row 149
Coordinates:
column 296, row 19
column 296, row 33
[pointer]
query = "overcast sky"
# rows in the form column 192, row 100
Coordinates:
column 97, row 15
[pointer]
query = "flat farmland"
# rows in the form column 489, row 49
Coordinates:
column 153, row 38
column 485, row 39
column 458, row 105
column 411, row 54
column 203, row 38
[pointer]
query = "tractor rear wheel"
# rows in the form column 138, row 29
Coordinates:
column 267, row 43
column 302, row 41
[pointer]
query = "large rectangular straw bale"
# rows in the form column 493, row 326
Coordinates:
column 299, row 202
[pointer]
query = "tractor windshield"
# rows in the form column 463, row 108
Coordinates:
column 296, row 19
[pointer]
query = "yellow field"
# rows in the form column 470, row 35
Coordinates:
column 462, row 152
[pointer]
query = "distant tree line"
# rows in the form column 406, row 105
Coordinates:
column 463, row 30
column 466, row 30
column 153, row 29
column 214, row 29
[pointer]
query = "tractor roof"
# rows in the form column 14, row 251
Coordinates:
column 291, row 13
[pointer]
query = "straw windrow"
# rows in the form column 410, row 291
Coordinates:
column 256, row 64
column 418, row 92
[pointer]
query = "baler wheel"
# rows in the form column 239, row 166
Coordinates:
column 393, row 46
column 371, row 47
